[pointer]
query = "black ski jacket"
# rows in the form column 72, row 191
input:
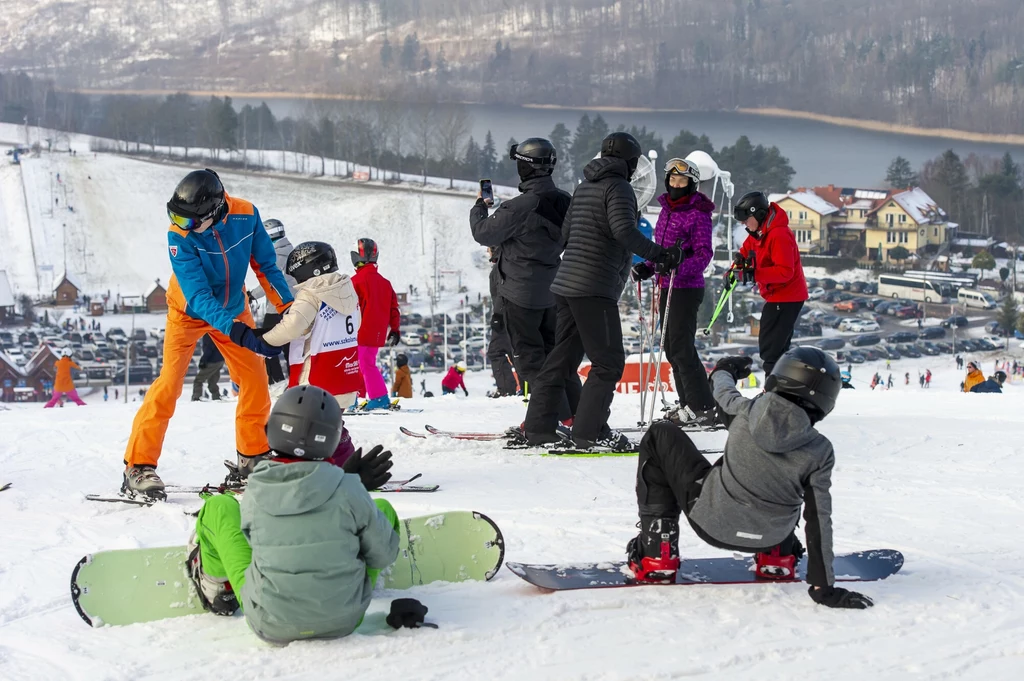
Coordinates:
column 527, row 234
column 601, row 235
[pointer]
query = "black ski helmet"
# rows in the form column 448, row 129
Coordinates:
column 621, row 145
column 752, row 204
column 199, row 196
column 310, row 259
column 536, row 152
column 808, row 377
column 367, row 252
column 275, row 229
column 305, row 423
column 402, row 359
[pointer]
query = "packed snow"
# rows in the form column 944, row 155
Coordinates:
column 936, row 474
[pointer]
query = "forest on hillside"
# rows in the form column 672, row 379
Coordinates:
column 932, row 63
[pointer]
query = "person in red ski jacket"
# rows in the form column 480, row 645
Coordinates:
column 379, row 320
column 771, row 255
column 454, row 379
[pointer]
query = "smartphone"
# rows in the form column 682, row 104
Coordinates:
column 487, row 192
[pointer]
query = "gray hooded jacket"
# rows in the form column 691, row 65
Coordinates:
column 774, row 462
column 282, row 248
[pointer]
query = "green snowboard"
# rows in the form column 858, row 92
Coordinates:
column 143, row 585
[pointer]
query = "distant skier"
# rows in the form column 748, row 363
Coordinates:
column 749, row 500
column 63, row 384
column 776, row 268
column 402, row 385
column 928, row 378
column 454, row 379
column 685, row 220
column 302, row 551
column 282, row 249
column 906, row 378
column 974, row 376
column 213, row 240
column 210, row 364
column 847, row 377
column 600, row 235
column 889, row 383
column 378, row 308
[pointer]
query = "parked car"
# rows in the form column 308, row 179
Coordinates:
column 931, row 332
column 746, row 350
column 812, row 282
column 986, row 345
column 971, row 345
column 872, row 354
column 857, row 286
column 844, row 323
column 901, row 337
column 996, row 329
column 831, row 296
column 830, row 344
column 927, row 348
column 412, row 338
column 955, row 320
column 871, row 287
column 864, row 326
column 855, row 357
column 846, row 306
column 892, row 352
column 944, row 348
column 910, row 351
column 866, row 339
column 846, row 295
column 906, row 312
column 827, row 284
column 815, row 293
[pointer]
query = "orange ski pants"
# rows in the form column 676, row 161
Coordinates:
column 246, row 368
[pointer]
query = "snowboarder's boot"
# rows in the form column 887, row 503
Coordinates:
column 382, row 402
column 215, row 593
column 654, row 553
column 247, row 464
column 142, row 481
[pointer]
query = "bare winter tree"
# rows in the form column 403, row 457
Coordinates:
column 423, row 125
column 453, row 127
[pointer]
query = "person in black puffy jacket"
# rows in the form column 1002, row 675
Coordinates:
column 600, row 235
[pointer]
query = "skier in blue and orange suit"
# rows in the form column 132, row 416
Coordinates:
column 212, row 241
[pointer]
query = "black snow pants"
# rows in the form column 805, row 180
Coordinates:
column 208, row 375
column 777, row 322
column 532, row 333
column 498, row 354
column 681, row 327
column 584, row 326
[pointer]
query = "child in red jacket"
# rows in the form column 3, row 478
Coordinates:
column 378, row 309
column 771, row 254
column 454, row 379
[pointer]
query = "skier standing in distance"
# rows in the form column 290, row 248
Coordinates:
column 210, row 364
column 282, row 249
column 777, row 270
column 213, row 239
column 600, row 236
column 685, row 219
column 750, row 499
column 320, row 330
column 526, row 235
column 378, row 309
column 63, row 384
column 454, row 379
column 302, row 551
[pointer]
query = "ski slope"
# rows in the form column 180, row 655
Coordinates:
column 937, row 474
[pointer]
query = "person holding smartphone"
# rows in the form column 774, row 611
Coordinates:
column 525, row 234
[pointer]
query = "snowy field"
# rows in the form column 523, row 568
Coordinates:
column 936, row 474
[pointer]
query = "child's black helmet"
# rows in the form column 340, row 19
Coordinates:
column 809, row 377
column 305, row 423
column 311, row 259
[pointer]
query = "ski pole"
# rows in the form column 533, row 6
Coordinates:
column 649, row 352
column 721, row 305
column 643, row 365
column 661, row 345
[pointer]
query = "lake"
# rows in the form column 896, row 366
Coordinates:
column 820, row 153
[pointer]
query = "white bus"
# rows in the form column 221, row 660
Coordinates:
column 893, row 286
column 948, row 283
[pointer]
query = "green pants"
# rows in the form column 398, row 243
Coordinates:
column 224, row 549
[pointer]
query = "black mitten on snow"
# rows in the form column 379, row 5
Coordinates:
column 408, row 612
column 737, row 367
column 372, row 468
column 838, row 597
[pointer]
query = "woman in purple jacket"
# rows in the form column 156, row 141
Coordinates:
column 685, row 219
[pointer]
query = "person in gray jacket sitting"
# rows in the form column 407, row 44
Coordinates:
column 775, row 461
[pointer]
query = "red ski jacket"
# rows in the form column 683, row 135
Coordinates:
column 378, row 306
column 777, row 269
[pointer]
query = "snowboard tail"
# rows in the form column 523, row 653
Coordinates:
column 863, row 566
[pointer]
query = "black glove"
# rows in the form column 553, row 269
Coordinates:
column 669, row 259
column 737, row 367
column 372, row 468
column 641, row 272
column 465, row 392
column 250, row 297
column 393, row 338
column 247, row 338
column 408, row 612
column 497, row 323
column 837, row 597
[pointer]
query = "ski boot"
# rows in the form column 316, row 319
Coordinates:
column 653, row 554
column 775, row 565
column 611, row 439
column 142, row 481
column 246, row 465
column 382, row 402
column 215, row 593
column 685, row 417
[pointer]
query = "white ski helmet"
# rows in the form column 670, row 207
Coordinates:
column 65, row 352
column 460, row 367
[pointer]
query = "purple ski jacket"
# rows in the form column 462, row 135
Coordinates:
column 690, row 225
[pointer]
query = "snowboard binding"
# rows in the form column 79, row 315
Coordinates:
column 773, row 565
column 653, row 554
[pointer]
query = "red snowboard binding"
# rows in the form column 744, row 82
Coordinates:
column 775, row 566
column 661, row 535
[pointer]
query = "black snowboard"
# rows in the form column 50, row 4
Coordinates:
column 864, row 566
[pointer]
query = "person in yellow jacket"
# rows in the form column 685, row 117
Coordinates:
column 974, row 376
column 402, row 385
column 63, row 385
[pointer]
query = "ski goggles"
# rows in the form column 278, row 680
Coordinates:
column 680, row 166
column 189, row 222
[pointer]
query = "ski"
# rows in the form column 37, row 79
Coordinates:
column 6, row 485
column 118, row 499
column 236, row 488
column 411, row 433
column 598, row 453
column 381, row 412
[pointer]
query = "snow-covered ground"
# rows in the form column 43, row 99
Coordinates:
column 936, row 474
